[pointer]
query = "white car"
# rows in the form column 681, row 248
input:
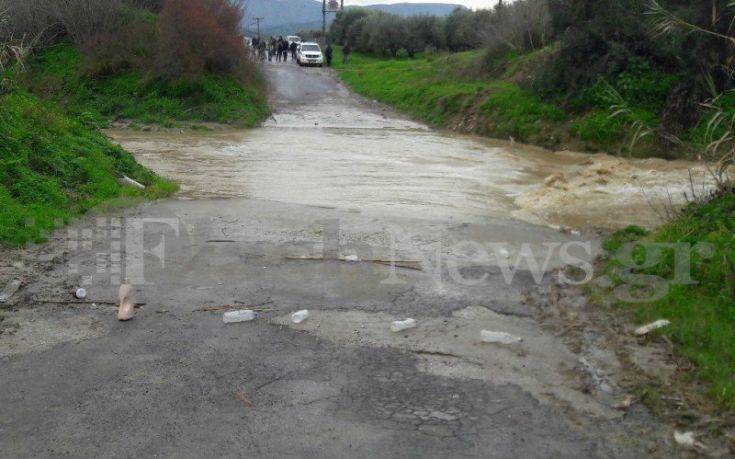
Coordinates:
column 309, row 54
column 293, row 38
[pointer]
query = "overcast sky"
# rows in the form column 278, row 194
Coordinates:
column 469, row 3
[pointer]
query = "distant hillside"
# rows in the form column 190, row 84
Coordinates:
column 282, row 17
column 415, row 9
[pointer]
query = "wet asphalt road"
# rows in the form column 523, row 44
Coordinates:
column 177, row 382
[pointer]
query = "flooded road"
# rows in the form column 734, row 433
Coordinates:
column 326, row 147
column 345, row 209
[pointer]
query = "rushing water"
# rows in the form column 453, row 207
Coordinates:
column 325, row 147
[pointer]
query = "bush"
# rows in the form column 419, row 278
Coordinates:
column 519, row 27
column 425, row 32
column 200, row 36
column 130, row 46
column 26, row 20
column 462, row 29
column 83, row 19
column 339, row 31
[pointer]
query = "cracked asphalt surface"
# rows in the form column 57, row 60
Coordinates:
column 176, row 381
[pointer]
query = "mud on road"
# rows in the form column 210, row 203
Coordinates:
column 301, row 214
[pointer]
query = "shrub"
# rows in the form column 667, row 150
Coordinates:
column 130, row 46
column 200, row 36
column 26, row 20
column 522, row 26
column 339, row 32
column 425, row 32
column 462, row 29
column 83, row 19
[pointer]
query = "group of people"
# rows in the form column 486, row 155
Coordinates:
column 281, row 48
column 278, row 48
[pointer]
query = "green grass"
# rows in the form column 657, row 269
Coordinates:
column 442, row 89
column 58, row 74
column 702, row 315
column 494, row 97
column 54, row 167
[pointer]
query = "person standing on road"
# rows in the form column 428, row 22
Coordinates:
column 328, row 53
column 284, row 50
column 293, row 47
column 346, row 53
column 277, row 49
column 271, row 49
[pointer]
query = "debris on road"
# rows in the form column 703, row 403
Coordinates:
column 625, row 403
column 125, row 180
column 227, row 307
column 127, row 307
column 299, row 316
column 400, row 325
column 138, row 304
column 499, row 337
column 411, row 265
column 240, row 395
column 687, row 439
column 81, row 293
column 404, row 264
column 646, row 329
column 244, row 315
column 10, row 290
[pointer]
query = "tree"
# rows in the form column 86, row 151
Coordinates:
column 711, row 32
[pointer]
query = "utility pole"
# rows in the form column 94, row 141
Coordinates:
column 332, row 9
column 257, row 21
column 324, row 21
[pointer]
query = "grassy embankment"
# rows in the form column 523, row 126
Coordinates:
column 54, row 167
column 463, row 91
column 447, row 91
column 58, row 74
column 55, row 164
column 702, row 314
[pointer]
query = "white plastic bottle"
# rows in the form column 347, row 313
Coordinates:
column 488, row 336
column 400, row 325
column 299, row 316
column 245, row 315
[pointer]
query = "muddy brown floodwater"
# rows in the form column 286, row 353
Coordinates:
column 333, row 149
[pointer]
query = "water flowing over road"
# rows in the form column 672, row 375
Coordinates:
column 326, row 147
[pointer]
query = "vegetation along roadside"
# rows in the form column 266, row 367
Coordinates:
column 69, row 68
